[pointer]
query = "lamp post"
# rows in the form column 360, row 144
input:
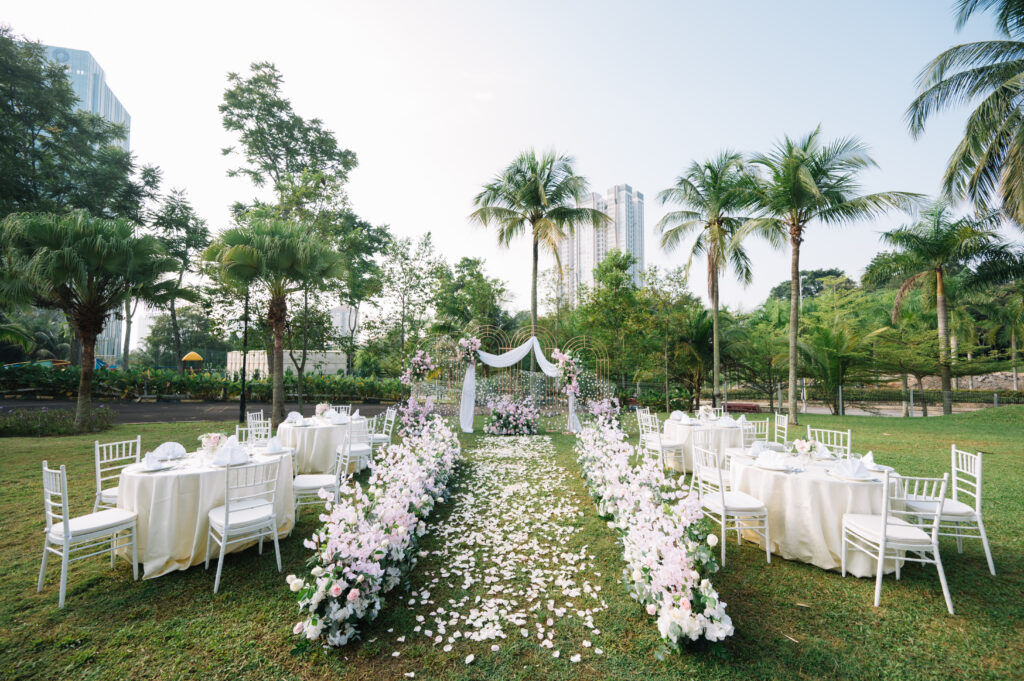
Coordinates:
column 245, row 356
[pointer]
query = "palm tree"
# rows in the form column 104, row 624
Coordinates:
column 929, row 251
column 539, row 194
column 988, row 164
column 803, row 181
column 83, row 267
column 282, row 257
column 830, row 352
column 712, row 193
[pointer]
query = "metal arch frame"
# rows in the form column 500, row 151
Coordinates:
column 578, row 345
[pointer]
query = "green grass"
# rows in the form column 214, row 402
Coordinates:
column 174, row 627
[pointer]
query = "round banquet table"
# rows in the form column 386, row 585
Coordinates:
column 805, row 512
column 173, row 507
column 314, row 443
column 722, row 437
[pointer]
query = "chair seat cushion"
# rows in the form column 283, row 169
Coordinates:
column 313, row 481
column 951, row 508
column 380, row 438
column 670, row 444
column 360, row 449
column 109, row 495
column 93, row 522
column 735, row 502
column 243, row 514
column 897, row 530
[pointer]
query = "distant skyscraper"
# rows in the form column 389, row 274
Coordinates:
column 90, row 85
column 581, row 252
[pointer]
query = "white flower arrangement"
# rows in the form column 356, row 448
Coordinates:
column 706, row 413
column 322, row 408
column 211, row 441
column 803, row 447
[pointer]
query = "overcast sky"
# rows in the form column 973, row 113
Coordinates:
column 436, row 97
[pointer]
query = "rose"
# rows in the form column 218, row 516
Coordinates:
column 652, row 609
column 712, row 540
column 335, row 590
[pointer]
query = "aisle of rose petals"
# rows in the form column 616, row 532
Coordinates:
column 511, row 562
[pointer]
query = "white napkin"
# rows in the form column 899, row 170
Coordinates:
column 771, row 459
column 756, row 448
column 273, row 445
column 293, row 417
column 742, row 419
column 727, row 421
column 868, row 459
column 168, row 450
column 851, row 468
column 356, row 414
column 230, row 454
column 822, row 452
column 677, row 416
column 151, row 460
column 329, row 414
column 338, row 419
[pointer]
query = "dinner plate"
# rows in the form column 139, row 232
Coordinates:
column 164, row 467
column 879, row 468
column 850, row 478
column 773, row 466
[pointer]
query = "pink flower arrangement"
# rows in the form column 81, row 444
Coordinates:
column 369, row 537
column 664, row 544
column 414, row 416
column 511, row 417
column 466, row 351
column 420, row 366
column 568, row 372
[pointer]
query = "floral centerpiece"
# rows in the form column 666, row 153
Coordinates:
column 322, row 408
column 420, row 366
column 511, row 417
column 803, row 447
column 568, row 372
column 466, row 352
column 705, row 413
column 211, row 441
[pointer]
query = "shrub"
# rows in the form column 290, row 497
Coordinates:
column 43, row 421
column 512, row 417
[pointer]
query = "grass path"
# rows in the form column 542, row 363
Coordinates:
column 173, row 627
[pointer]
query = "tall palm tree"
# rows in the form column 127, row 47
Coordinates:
column 987, row 165
column 713, row 195
column 925, row 254
column 83, row 267
column 803, row 181
column 539, row 195
column 282, row 257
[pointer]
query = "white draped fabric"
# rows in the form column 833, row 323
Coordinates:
column 502, row 361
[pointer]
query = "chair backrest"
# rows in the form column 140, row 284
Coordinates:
column 259, row 430
column 342, row 409
column 760, row 429
column 833, row 439
column 967, row 476
column 242, row 434
column 251, row 416
column 707, row 473
column 900, row 488
column 113, row 457
column 389, row 422
column 781, row 428
column 55, row 497
column 701, row 437
column 251, row 481
column 718, row 412
column 749, row 433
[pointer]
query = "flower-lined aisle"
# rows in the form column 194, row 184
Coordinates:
column 369, row 539
column 668, row 553
column 511, row 564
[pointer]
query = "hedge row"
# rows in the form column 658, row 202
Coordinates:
column 34, row 380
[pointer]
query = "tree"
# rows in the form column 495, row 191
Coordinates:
column 85, row 267
column 606, row 311
column 309, row 329
column 539, row 195
column 185, row 236
column 713, row 195
column 193, row 329
column 282, row 258
column 811, row 283
column 987, row 166
column 925, row 253
column 466, row 295
column 801, row 182
column 830, row 352
column 759, row 354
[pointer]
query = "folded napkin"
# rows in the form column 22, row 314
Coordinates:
column 727, row 421
column 337, row 419
column 293, row 417
column 771, row 459
column 230, row 454
column 356, row 414
column 822, row 452
column 851, row 468
column 742, row 418
column 273, row 446
column 168, row 450
column 151, row 460
column 868, row 459
column 757, row 448
column 677, row 416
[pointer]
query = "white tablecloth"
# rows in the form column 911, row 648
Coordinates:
column 805, row 512
column 314, row 444
column 721, row 438
column 174, row 505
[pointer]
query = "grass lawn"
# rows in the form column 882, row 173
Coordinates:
column 174, row 627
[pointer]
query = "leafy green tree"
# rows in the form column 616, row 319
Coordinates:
column 830, row 352
column 84, row 267
column 466, row 295
column 193, row 329
column 925, row 252
column 713, row 198
column 811, row 283
column 538, row 196
column 987, row 166
column 606, row 312
column 758, row 355
column 310, row 329
column 805, row 181
column 281, row 258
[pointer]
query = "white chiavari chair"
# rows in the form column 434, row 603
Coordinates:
column 959, row 519
column 718, row 412
column 838, row 441
column 899, row 532
column 732, row 510
column 98, row 532
column 111, row 459
column 781, row 429
column 248, row 511
column 251, row 416
column 655, row 443
column 345, row 409
column 383, row 424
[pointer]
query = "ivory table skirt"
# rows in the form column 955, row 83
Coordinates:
column 805, row 513
column 721, row 438
column 174, row 505
column 314, row 444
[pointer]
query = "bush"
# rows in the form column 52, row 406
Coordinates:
column 42, row 422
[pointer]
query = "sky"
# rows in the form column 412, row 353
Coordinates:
column 437, row 97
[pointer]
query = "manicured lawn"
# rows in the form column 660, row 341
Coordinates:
column 792, row 621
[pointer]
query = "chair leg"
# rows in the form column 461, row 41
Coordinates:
column 843, row 553
column 767, row 541
column 261, row 545
column 723, row 540
column 206, row 565
column 277, row 548
column 220, row 563
column 879, row 573
column 988, row 551
column 959, row 538
column 63, row 576
column 113, row 548
column 42, row 567
column 942, row 579
column 135, row 556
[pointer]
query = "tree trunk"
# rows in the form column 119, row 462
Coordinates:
column 906, row 402
column 84, row 405
column 794, row 319
column 924, row 402
column 940, row 306
column 276, row 315
column 533, row 309
column 1013, row 357
column 76, row 349
column 970, row 377
column 127, row 332
column 716, row 382
column 176, row 333
column 954, row 346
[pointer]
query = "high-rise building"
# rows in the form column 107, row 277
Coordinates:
column 90, row 85
column 581, row 251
